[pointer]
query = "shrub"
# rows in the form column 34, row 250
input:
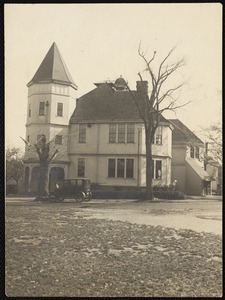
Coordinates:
column 167, row 192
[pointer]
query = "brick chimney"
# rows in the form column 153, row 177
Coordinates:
column 142, row 87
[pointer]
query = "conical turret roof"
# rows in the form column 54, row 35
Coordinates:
column 53, row 69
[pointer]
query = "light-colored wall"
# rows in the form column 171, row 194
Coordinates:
column 50, row 124
column 97, row 150
column 166, row 147
column 52, row 93
column 97, row 141
column 96, row 168
column 166, row 171
column 50, row 132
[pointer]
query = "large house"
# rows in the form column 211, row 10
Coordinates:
column 107, row 140
column 101, row 135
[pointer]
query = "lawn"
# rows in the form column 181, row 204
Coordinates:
column 52, row 250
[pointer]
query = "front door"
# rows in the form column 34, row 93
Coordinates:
column 207, row 187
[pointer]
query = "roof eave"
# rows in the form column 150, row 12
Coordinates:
column 73, row 85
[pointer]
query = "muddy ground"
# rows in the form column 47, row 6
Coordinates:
column 108, row 248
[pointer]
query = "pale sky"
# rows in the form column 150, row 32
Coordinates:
column 100, row 42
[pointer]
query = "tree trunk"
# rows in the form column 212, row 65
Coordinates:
column 149, row 190
column 43, row 181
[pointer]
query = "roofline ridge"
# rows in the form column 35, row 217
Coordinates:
column 65, row 67
column 187, row 129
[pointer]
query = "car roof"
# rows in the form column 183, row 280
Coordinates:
column 83, row 178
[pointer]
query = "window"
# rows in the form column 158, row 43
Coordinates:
column 121, row 168
column 41, row 108
column 112, row 168
column 130, row 168
column 79, row 182
column 58, row 139
column 73, row 182
column 156, row 169
column 197, row 152
column 121, row 133
column 39, row 137
column 81, row 167
column 29, row 113
column 192, row 152
column 112, row 133
column 130, row 133
column 28, row 138
column 82, row 133
column 158, row 136
column 59, row 109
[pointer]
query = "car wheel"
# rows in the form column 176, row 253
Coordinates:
column 88, row 198
column 80, row 197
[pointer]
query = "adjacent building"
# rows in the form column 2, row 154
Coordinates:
column 188, row 161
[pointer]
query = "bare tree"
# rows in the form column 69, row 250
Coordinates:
column 46, row 154
column 213, row 151
column 151, row 104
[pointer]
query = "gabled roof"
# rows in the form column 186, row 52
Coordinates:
column 182, row 134
column 53, row 69
column 198, row 169
column 104, row 104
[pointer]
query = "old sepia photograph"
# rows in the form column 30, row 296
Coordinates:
column 113, row 150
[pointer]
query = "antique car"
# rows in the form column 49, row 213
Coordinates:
column 77, row 189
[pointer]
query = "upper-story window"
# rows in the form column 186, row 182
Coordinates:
column 82, row 133
column 41, row 108
column 39, row 139
column 121, row 133
column 192, row 152
column 58, row 139
column 130, row 133
column 158, row 136
column 29, row 110
column 112, row 133
column 59, row 109
column 28, row 138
